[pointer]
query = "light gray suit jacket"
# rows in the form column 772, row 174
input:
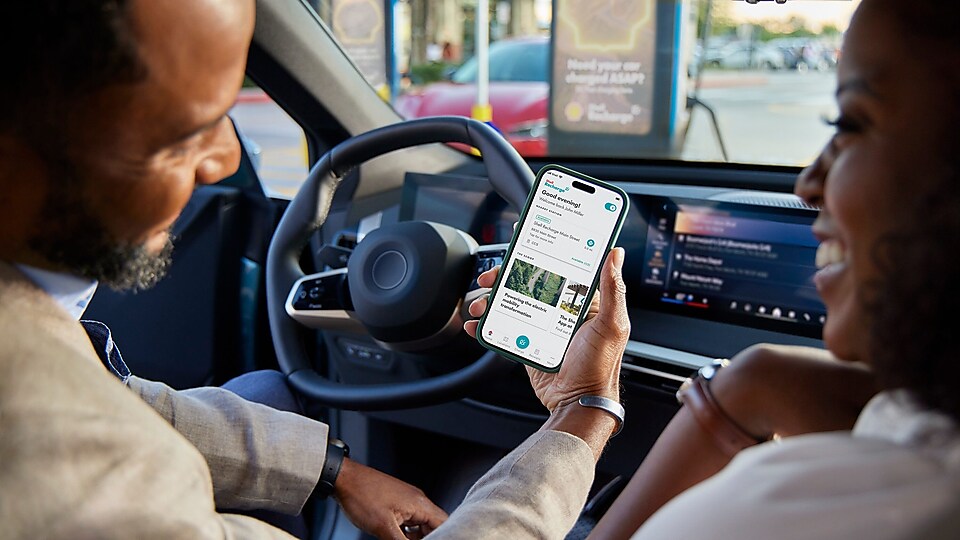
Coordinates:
column 82, row 457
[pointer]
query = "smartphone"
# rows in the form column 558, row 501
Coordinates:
column 552, row 267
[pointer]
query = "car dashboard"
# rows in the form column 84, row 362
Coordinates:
column 733, row 266
column 709, row 271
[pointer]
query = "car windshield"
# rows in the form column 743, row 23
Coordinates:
column 511, row 61
column 691, row 80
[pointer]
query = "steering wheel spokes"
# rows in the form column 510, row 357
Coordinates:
column 322, row 300
column 407, row 285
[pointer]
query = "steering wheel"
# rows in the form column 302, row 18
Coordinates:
column 406, row 284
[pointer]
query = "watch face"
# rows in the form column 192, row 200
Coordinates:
column 340, row 444
column 708, row 371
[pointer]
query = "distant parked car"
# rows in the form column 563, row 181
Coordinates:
column 519, row 92
column 803, row 54
column 744, row 55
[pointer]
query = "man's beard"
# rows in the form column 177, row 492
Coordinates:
column 74, row 239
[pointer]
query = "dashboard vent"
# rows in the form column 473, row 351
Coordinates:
column 780, row 200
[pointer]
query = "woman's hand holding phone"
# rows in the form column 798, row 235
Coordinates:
column 592, row 363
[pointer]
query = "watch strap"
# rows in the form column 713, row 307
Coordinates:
column 337, row 450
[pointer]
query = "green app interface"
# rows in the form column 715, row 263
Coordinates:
column 556, row 257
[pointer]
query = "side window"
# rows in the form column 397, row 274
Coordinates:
column 274, row 141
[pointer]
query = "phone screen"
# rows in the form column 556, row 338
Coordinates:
column 546, row 282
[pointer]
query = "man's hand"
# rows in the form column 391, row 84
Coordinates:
column 592, row 363
column 383, row 506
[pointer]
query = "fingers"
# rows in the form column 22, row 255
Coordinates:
column 413, row 532
column 391, row 533
column 613, row 296
column 422, row 519
column 476, row 309
column 478, row 306
column 488, row 278
column 485, row 280
column 430, row 516
column 470, row 327
column 385, row 506
column 414, row 519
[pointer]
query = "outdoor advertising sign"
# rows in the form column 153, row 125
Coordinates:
column 614, row 82
column 360, row 27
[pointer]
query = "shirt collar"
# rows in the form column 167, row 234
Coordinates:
column 71, row 292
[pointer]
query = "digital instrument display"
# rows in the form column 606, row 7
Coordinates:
column 465, row 202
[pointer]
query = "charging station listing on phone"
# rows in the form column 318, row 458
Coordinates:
column 555, row 259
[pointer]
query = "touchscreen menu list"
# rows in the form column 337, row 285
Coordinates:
column 734, row 263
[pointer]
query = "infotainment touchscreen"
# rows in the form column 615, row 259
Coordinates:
column 737, row 263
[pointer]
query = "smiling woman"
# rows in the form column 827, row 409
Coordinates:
column 912, row 120
column 888, row 192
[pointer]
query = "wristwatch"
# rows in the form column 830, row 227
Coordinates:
column 695, row 394
column 332, row 462
column 706, row 372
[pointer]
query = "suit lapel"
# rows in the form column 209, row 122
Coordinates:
column 23, row 301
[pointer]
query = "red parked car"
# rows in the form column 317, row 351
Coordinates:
column 519, row 92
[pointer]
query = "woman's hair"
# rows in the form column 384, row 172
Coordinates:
column 918, row 293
